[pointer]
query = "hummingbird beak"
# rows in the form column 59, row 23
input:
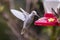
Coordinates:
column 37, row 15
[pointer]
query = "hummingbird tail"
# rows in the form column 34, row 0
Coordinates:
column 23, row 31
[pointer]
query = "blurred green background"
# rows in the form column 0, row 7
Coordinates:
column 10, row 26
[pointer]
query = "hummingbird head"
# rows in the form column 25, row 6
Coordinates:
column 35, row 13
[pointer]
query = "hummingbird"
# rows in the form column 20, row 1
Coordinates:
column 25, row 17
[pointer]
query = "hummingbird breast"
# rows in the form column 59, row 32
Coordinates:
column 29, row 20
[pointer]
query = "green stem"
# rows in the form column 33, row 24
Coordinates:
column 54, row 33
column 49, row 30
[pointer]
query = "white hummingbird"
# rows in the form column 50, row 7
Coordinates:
column 24, row 16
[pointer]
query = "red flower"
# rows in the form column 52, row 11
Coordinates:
column 49, row 19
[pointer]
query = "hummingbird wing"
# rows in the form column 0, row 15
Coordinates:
column 24, row 12
column 18, row 14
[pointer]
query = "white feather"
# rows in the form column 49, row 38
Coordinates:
column 24, row 12
column 18, row 14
